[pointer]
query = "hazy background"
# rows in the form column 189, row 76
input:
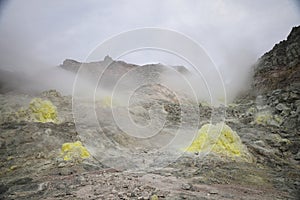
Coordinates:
column 36, row 35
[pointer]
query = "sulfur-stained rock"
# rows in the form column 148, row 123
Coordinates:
column 74, row 151
column 39, row 110
column 42, row 111
column 221, row 140
column 267, row 118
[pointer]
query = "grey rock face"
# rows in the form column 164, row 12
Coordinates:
column 71, row 65
column 280, row 67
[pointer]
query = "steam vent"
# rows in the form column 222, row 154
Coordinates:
column 248, row 149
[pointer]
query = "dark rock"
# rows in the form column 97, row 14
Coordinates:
column 22, row 181
column 3, row 188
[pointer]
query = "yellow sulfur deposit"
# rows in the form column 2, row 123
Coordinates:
column 154, row 197
column 38, row 111
column 13, row 167
column 106, row 102
column 74, row 151
column 266, row 118
column 43, row 111
column 219, row 139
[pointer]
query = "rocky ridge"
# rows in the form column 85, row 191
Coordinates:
column 280, row 67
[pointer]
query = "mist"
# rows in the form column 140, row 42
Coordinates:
column 37, row 36
column 37, row 81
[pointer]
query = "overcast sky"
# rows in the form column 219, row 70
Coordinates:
column 234, row 33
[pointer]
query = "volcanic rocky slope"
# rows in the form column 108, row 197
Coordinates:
column 267, row 121
column 280, row 67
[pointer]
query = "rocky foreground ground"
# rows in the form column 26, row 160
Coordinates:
column 32, row 166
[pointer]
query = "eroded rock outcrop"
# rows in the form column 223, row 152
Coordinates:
column 280, row 67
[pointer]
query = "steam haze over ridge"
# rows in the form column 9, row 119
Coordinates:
column 37, row 35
